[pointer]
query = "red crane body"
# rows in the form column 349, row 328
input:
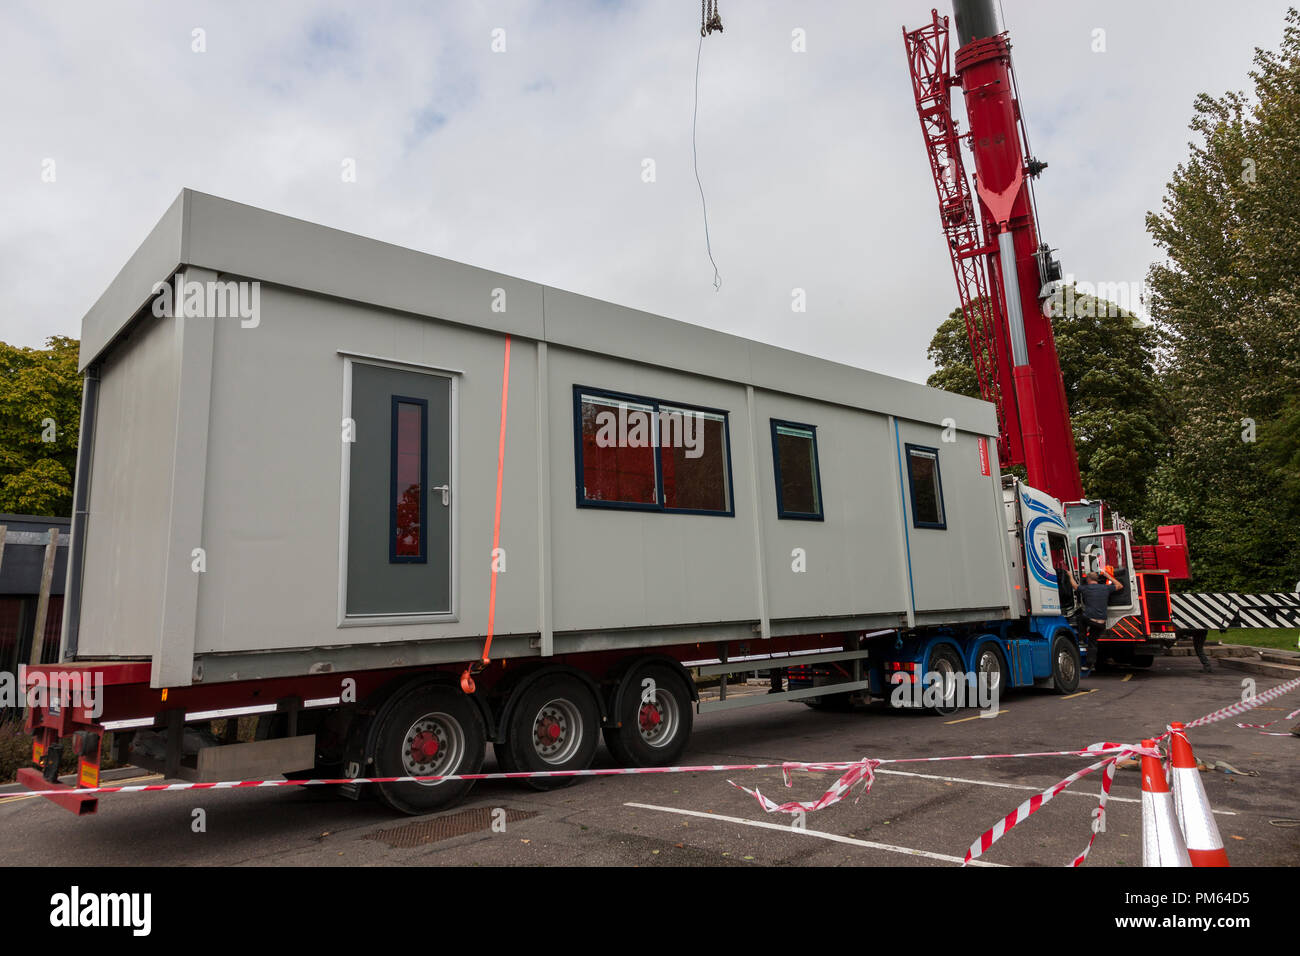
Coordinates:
column 1002, row 270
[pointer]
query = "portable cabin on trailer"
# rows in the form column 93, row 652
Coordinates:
column 321, row 471
column 241, row 511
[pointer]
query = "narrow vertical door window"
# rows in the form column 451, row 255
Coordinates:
column 409, row 487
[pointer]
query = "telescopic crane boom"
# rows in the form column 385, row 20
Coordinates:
column 1002, row 270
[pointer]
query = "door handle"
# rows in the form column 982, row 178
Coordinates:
column 446, row 494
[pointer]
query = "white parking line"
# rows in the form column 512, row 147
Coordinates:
column 834, row 837
column 1020, row 786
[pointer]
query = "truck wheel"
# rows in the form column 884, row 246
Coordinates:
column 991, row 662
column 945, row 663
column 655, row 719
column 432, row 731
column 554, row 726
column 1065, row 664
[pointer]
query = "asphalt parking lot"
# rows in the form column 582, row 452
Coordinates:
column 915, row 815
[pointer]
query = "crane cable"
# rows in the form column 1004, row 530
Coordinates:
column 710, row 20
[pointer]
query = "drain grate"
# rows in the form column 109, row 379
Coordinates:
column 422, row 832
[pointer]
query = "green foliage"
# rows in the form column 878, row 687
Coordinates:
column 950, row 352
column 1279, row 638
column 1225, row 304
column 40, row 414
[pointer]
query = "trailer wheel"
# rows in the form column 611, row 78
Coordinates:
column 554, row 726
column 655, row 719
column 1065, row 664
column 945, row 663
column 991, row 662
column 431, row 731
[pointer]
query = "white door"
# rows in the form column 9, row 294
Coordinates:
column 1110, row 552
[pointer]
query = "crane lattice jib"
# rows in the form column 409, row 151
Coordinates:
column 929, row 59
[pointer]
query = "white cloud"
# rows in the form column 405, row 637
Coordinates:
column 529, row 161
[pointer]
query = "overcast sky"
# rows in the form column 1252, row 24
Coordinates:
column 529, row 161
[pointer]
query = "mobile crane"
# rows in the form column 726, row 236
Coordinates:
column 1005, row 275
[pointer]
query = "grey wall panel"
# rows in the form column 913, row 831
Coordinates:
column 797, row 374
column 274, row 485
column 961, row 566
column 128, row 526
column 855, row 564
column 244, row 241
column 614, row 568
column 159, row 254
column 589, row 324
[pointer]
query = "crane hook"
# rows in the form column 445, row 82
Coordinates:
column 710, row 20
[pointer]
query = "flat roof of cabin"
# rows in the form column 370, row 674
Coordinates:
column 242, row 241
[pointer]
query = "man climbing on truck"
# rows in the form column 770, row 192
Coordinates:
column 1095, row 598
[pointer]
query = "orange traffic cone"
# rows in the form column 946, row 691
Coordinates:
column 1162, row 840
column 1204, row 845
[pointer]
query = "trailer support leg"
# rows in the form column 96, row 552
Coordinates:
column 722, row 687
column 175, row 723
column 290, row 707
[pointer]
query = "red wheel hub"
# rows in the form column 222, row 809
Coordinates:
column 650, row 717
column 424, row 746
column 549, row 732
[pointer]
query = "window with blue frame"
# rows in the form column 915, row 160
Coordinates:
column 639, row 453
column 794, row 461
column 927, row 487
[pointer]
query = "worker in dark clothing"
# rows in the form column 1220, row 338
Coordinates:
column 1095, row 598
column 1198, row 644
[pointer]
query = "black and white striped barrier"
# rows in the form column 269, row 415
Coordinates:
column 1216, row 611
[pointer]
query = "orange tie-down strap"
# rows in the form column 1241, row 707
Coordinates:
column 467, row 678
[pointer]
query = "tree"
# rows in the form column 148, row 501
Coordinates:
column 1117, row 408
column 40, row 414
column 950, row 352
column 1225, row 303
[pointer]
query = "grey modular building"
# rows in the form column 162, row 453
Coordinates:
column 291, row 467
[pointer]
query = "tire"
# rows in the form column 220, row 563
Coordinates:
column 1066, row 664
column 505, row 763
column 989, row 660
column 654, row 732
column 448, row 728
column 554, row 725
column 945, row 662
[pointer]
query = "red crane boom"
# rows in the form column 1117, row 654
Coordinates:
column 1002, row 271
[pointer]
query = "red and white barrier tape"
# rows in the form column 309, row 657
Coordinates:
column 815, row 767
column 1036, row 802
column 862, row 773
column 1272, row 733
column 856, row 773
column 1242, row 706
